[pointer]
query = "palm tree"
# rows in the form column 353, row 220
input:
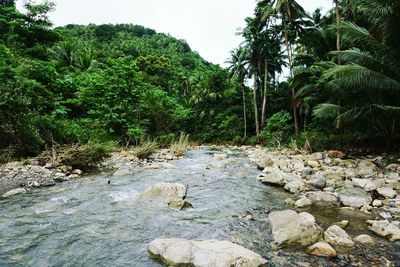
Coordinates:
column 368, row 84
column 237, row 70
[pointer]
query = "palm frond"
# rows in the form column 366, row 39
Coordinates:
column 327, row 111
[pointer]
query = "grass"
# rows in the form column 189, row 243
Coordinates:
column 179, row 147
column 145, row 149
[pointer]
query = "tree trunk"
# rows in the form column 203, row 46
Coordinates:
column 295, row 117
column 264, row 102
column 256, row 107
column 338, row 19
column 244, row 113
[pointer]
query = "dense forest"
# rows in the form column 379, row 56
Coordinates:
column 311, row 80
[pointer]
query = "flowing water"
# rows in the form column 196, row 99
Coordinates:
column 88, row 222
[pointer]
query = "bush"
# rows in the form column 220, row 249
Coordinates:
column 277, row 130
column 178, row 148
column 145, row 149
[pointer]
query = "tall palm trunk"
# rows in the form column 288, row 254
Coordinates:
column 256, row 107
column 337, row 24
column 244, row 113
column 295, row 116
column 264, row 102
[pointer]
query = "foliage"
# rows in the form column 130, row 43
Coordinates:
column 179, row 147
column 278, row 129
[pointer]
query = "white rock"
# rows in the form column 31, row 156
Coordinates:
column 366, row 184
column 303, row 202
column 209, row 253
column 386, row 192
column 355, row 197
column 14, row 192
column 290, row 228
column 323, row 198
column 221, row 156
column 365, row 240
column 377, row 203
column 123, row 172
column 172, row 194
column 313, row 164
column 385, row 229
column 336, row 236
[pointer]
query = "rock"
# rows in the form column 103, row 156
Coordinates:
column 276, row 177
column 306, row 172
column 303, row 203
column 366, row 184
column 289, row 201
column 342, row 224
column 323, row 198
column 377, row 203
column 290, row 228
column 313, row 164
column 336, row 236
column 365, row 240
column 385, row 215
column 77, row 171
column 14, row 192
column 385, row 229
column 355, row 197
column 123, row 172
column 366, row 168
column 321, row 249
column 172, row 194
column 318, row 181
column 295, row 185
column 220, row 156
column 208, row 253
column 386, row 263
column 160, row 165
column 336, row 154
column 386, row 192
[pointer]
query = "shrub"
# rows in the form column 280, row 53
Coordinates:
column 178, row 148
column 277, row 130
column 145, row 149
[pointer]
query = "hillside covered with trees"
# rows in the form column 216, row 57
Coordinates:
column 125, row 83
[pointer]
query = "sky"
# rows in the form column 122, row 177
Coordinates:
column 209, row 26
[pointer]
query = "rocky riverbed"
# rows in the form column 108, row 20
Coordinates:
column 249, row 206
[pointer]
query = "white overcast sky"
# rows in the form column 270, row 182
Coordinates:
column 209, row 26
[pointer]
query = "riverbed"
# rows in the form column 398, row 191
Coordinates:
column 88, row 222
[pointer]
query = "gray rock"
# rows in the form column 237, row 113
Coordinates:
column 386, row 192
column 355, row 197
column 208, row 253
column 290, row 228
column 295, row 184
column 276, row 177
column 385, row 229
column 342, row 224
column 171, row 194
column 366, row 184
column 318, row 181
column 377, row 203
column 323, row 198
column 336, row 236
column 14, row 192
column 366, row 168
column 123, row 172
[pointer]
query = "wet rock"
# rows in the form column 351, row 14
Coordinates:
column 123, row 172
column 172, row 194
column 208, row 253
column 323, row 198
column 355, row 197
column 385, row 229
column 342, row 224
column 14, row 192
column 321, row 249
column 386, row 192
column 303, row 203
column 366, row 184
column 318, row 181
column 336, row 236
column 386, row 263
column 365, row 240
column 160, row 165
column 290, row 228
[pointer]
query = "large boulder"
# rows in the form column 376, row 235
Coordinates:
column 171, row 194
column 323, row 198
column 276, row 177
column 385, row 229
column 290, row 228
column 355, row 197
column 209, row 253
column 336, row 236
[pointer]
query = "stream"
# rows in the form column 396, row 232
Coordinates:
column 88, row 222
